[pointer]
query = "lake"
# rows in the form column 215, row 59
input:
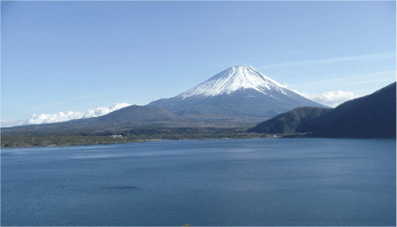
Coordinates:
column 307, row 181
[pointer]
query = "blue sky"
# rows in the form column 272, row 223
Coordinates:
column 75, row 56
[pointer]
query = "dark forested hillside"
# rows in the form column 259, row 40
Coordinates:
column 372, row 116
column 295, row 120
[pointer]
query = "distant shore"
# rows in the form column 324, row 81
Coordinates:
column 76, row 140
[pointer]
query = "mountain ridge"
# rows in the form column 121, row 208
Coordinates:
column 291, row 122
column 371, row 116
column 239, row 91
column 127, row 117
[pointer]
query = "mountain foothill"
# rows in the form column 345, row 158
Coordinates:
column 241, row 96
column 371, row 116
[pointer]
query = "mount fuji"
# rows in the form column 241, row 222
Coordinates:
column 236, row 93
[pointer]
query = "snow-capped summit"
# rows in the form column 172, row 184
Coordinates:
column 239, row 92
column 233, row 79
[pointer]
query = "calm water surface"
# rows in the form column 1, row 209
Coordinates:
column 213, row 182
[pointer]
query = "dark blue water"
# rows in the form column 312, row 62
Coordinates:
column 213, row 182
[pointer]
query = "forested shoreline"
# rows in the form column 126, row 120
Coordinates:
column 130, row 136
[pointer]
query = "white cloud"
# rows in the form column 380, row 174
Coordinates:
column 52, row 118
column 11, row 122
column 63, row 116
column 330, row 98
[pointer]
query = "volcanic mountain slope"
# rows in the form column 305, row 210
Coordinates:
column 371, row 116
column 240, row 91
column 135, row 113
column 131, row 116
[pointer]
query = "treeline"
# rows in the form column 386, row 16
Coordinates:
column 69, row 140
column 128, row 136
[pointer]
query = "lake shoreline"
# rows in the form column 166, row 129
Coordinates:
column 63, row 141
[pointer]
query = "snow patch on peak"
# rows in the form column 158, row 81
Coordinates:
column 233, row 79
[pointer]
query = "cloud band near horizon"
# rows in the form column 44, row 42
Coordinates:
column 62, row 116
column 331, row 98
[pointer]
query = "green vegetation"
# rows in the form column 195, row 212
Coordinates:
column 43, row 141
column 296, row 120
column 371, row 116
column 130, row 136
